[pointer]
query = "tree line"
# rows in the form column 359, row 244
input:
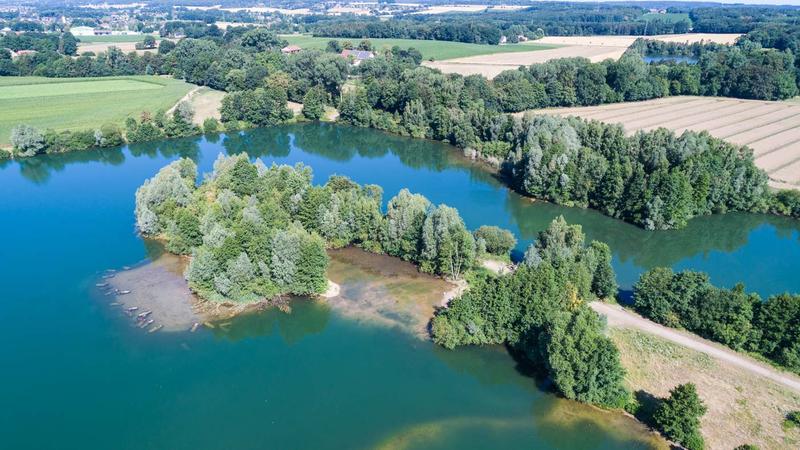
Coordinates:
column 532, row 22
column 733, row 317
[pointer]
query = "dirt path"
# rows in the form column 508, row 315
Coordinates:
column 185, row 98
column 618, row 316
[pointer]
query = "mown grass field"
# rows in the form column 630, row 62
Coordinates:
column 115, row 38
column 82, row 103
column 437, row 50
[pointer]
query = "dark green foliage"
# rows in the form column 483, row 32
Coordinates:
column 541, row 311
column 777, row 320
column 786, row 202
column 211, row 125
column 792, row 419
column 261, row 106
column 314, row 103
column 678, row 417
column 729, row 316
column 497, row 240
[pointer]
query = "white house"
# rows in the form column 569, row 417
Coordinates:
column 82, row 31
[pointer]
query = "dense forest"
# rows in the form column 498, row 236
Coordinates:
column 535, row 21
column 740, row 320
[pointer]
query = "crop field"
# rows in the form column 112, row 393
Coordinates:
column 436, row 50
column 82, row 103
column 594, row 48
column 771, row 129
column 114, row 38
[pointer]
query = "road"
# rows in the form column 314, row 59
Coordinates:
column 620, row 317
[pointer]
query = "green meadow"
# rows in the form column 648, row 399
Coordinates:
column 81, row 103
column 437, row 50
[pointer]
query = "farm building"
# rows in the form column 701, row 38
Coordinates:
column 289, row 49
column 357, row 55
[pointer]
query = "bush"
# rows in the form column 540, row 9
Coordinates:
column 27, row 140
column 498, row 241
column 211, row 125
column 678, row 416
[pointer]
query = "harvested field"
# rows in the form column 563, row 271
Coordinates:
column 492, row 65
column 97, row 47
column 595, row 48
column 742, row 408
column 771, row 129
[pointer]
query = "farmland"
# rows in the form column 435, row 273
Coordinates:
column 594, row 48
column 113, row 38
column 436, row 50
column 81, row 103
column 771, row 129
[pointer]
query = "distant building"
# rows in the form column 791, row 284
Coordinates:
column 102, row 32
column 15, row 55
column 289, row 49
column 82, row 31
column 357, row 55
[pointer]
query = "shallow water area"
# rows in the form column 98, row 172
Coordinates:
column 77, row 365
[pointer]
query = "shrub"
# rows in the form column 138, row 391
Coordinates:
column 211, row 125
column 498, row 241
column 27, row 140
column 678, row 416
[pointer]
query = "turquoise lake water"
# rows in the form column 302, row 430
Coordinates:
column 75, row 374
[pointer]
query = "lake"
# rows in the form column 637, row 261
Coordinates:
column 312, row 379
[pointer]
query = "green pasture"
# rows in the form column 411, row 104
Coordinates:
column 82, row 103
column 437, row 50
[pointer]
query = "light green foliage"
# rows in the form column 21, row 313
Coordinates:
column 27, row 140
column 447, row 246
column 654, row 179
column 678, row 416
column 497, row 241
column 589, row 268
column 255, row 232
column 541, row 311
column 404, row 219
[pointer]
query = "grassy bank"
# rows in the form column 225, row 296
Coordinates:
column 82, row 103
column 742, row 408
column 438, row 50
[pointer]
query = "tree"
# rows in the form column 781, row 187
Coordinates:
column 498, row 241
column 149, row 42
column 678, row 416
column 447, row 247
column 405, row 214
column 27, row 140
column 314, row 103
